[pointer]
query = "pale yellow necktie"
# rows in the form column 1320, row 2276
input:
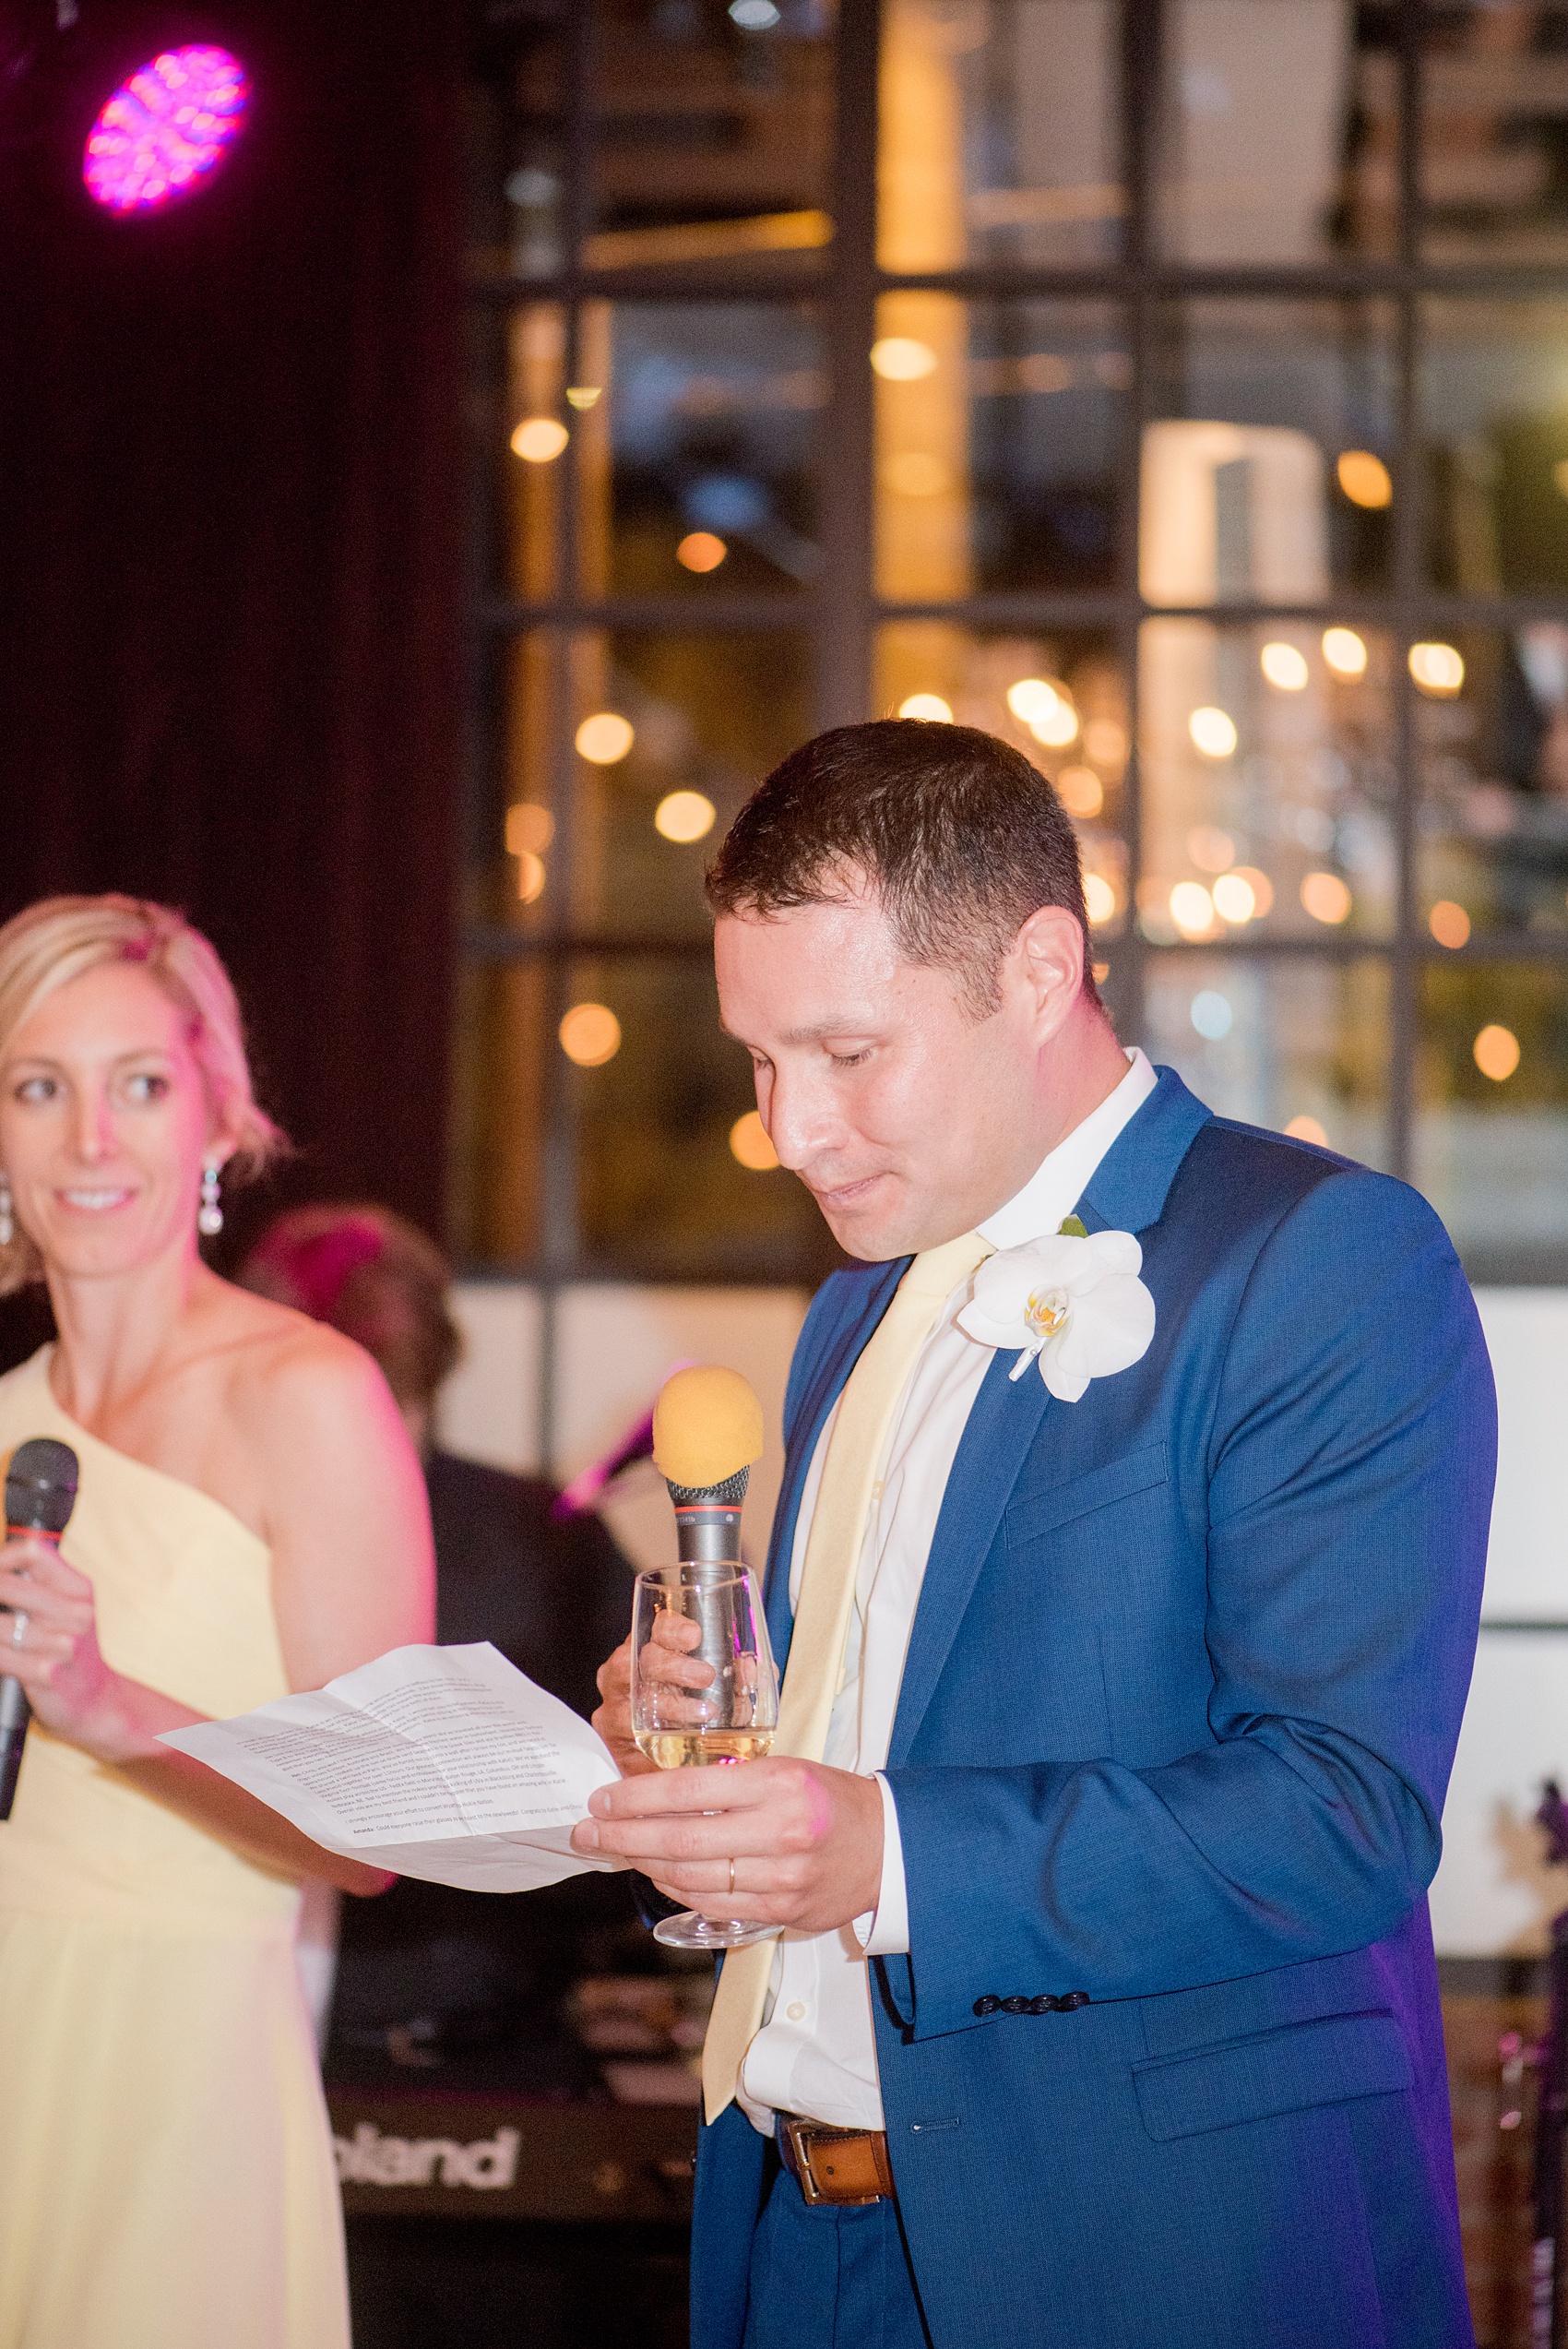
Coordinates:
column 827, row 1597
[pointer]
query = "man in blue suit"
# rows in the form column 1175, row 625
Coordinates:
column 1128, row 1587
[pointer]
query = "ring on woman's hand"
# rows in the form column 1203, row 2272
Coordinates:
column 731, row 1875
column 18, row 1628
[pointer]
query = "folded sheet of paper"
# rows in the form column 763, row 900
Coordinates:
column 442, row 1762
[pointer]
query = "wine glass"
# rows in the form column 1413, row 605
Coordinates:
column 731, row 1720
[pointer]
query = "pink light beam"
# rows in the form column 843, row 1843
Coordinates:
column 165, row 129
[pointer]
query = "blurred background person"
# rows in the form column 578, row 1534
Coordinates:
column 431, row 1973
column 249, row 1520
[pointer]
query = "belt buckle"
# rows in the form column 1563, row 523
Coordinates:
column 801, row 2135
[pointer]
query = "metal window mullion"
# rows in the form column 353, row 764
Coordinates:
column 558, row 1141
column 1408, row 530
column 1141, row 42
column 843, row 611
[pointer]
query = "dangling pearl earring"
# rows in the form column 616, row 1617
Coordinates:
column 209, row 1215
column 7, row 1228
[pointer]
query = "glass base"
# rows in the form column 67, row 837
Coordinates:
column 690, row 1931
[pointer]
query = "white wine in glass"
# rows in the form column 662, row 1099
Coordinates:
column 730, row 1719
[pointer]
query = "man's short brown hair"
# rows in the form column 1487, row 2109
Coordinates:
column 959, row 836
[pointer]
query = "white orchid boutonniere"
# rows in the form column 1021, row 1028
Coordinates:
column 1073, row 1303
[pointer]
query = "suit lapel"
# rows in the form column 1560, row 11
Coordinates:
column 1127, row 1192
column 1002, row 1428
column 841, row 1350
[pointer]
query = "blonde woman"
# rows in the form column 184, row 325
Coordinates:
column 250, row 1519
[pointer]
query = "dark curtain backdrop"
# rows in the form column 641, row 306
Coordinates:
column 230, row 546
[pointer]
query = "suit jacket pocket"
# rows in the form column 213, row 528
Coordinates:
column 1044, row 1508
column 1324, row 2062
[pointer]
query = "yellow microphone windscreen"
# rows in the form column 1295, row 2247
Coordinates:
column 706, row 1426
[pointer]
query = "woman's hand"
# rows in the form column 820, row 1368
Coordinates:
column 665, row 1659
column 49, row 1643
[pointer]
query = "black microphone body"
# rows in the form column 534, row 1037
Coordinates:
column 41, row 1492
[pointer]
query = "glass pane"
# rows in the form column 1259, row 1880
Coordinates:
column 1296, row 1043
column 1271, row 478
column 516, row 144
column 712, row 132
column 1060, row 696
column 998, row 138
column 524, row 357
column 1494, row 134
column 715, row 412
column 617, row 760
column 1493, row 396
column 666, row 1188
column 1268, row 780
column 499, row 1103
column 1492, row 1121
column 1280, row 131
column 999, row 427
column 1492, row 735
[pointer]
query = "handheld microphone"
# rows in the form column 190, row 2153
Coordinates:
column 706, row 1432
column 41, row 1492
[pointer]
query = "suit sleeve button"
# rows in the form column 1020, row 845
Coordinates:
column 1044, row 2005
column 1072, row 2001
column 1016, row 2005
column 987, row 2006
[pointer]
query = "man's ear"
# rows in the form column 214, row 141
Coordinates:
column 1047, row 959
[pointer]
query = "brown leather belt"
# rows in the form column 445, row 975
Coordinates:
column 849, row 2166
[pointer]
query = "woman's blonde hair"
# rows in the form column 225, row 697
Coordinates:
column 56, row 940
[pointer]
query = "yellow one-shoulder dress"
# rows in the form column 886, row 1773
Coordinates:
column 166, row 2173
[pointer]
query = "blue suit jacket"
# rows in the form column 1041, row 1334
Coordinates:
column 1176, row 1724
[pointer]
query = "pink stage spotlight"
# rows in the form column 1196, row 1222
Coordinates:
column 165, row 128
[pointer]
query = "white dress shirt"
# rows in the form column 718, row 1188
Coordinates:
column 815, row 2054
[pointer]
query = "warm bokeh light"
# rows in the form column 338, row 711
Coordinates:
column 1261, row 886
column 1234, row 899
column 1105, row 742
column 529, row 829
column 1559, row 476
column 1101, row 971
column 605, row 738
column 684, row 816
column 1211, row 850
column 749, row 1143
column 1437, row 669
column 1449, row 924
column 165, row 128
column 701, row 551
column 1100, row 898
column 928, row 706
column 1031, row 698
column 1284, row 666
column 591, row 1034
column 539, row 439
column 1345, row 653
column 900, row 358
column 1325, row 897
column 584, row 395
column 1497, row 1052
column 1191, row 909
column 1364, row 478
column 530, row 876
column 1080, row 790
column 1213, row 732
column 1307, row 1129
column 1057, row 726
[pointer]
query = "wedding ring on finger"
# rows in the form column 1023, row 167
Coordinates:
column 18, row 1628
column 731, row 1875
